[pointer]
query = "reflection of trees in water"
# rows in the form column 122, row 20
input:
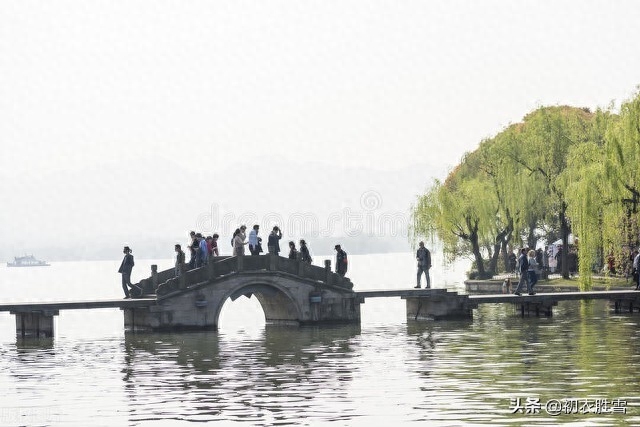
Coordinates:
column 579, row 352
column 212, row 376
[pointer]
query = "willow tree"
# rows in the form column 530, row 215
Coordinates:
column 457, row 212
column 523, row 197
column 503, row 178
column 491, row 169
column 587, row 198
column 541, row 146
column 622, row 167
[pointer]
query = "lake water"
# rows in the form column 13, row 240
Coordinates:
column 497, row 369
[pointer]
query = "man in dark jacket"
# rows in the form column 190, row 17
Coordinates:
column 523, row 266
column 273, row 243
column 304, row 252
column 125, row 269
column 341, row 261
column 424, row 264
column 180, row 260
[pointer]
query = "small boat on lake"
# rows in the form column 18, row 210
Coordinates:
column 27, row 261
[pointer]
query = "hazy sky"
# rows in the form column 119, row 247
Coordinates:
column 93, row 91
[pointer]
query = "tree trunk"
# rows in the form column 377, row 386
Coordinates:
column 500, row 242
column 531, row 236
column 477, row 255
column 564, row 232
column 505, row 255
column 475, row 247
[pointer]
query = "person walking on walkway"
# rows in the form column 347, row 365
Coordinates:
column 523, row 266
column 125, row 270
column 531, row 271
column 423, row 256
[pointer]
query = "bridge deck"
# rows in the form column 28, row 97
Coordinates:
column 77, row 305
column 504, row 298
column 400, row 293
column 478, row 299
column 554, row 296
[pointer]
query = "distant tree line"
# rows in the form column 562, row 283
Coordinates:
column 561, row 170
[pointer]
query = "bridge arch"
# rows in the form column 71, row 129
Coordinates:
column 288, row 291
column 278, row 304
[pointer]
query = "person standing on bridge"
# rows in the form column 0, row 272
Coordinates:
column 424, row 264
column 209, row 241
column 202, row 252
column 193, row 248
column 341, row 261
column 180, row 260
column 273, row 244
column 238, row 242
column 254, row 241
column 293, row 252
column 305, row 256
column 523, row 266
column 214, row 245
column 125, row 270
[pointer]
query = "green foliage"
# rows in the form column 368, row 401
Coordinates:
column 584, row 183
column 458, row 212
column 561, row 169
column 507, row 188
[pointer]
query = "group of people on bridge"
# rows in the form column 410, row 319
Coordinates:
column 202, row 249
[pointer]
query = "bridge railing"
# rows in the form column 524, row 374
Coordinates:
column 165, row 282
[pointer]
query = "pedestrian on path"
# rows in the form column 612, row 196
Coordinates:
column 423, row 256
column 523, row 266
column 125, row 270
column 532, row 275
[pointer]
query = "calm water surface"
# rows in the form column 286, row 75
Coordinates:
column 385, row 371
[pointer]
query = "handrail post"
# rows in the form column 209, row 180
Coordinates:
column 327, row 272
column 154, row 276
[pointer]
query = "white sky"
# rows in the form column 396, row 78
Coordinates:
column 89, row 85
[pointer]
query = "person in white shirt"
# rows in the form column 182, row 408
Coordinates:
column 255, row 246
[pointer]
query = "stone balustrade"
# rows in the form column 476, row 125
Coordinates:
column 165, row 283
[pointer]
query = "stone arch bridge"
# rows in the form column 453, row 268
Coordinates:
column 289, row 291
